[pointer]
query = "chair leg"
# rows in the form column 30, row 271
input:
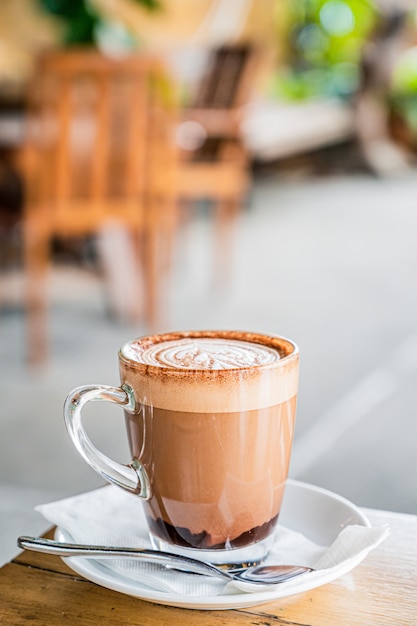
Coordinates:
column 121, row 269
column 225, row 222
column 150, row 264
column 36, row 274
column 169, row 228
column 158, row 243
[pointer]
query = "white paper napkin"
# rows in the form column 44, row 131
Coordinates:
column 111, row 516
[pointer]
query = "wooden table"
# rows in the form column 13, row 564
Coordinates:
column 40, row 589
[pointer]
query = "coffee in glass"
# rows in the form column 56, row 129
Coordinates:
column 210, row 421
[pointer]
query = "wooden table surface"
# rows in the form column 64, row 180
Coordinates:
column 382, row 590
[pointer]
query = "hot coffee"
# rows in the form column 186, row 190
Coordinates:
column 210, row 421
column 215, row 444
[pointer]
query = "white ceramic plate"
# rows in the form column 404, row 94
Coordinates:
column 316, row 513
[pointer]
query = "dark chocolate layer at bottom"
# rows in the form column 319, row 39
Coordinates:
column 183, row 537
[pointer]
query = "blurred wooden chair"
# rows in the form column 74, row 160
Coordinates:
column 214, row 162
column 98, row 160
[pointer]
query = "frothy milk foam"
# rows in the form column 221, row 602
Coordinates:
column 203, row 353
column 214, row 431
column 231, row 370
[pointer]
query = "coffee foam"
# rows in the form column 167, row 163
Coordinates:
column 205, row 381
column 202, row 353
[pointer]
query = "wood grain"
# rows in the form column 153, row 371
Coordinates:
column 382, row 591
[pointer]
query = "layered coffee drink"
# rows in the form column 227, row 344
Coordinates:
column 213, row 429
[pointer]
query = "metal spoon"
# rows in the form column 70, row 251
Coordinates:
column 258, row 574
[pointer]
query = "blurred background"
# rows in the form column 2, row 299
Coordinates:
column 171, row 164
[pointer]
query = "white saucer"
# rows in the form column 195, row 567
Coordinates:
column 317, row 513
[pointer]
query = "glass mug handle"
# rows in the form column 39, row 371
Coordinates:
column 131, row 477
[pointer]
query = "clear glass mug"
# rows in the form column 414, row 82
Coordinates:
column 210, row 421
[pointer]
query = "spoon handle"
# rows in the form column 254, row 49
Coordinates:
column 173, row 561
column 258, row 575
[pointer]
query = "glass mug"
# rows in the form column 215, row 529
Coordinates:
column 210, row 421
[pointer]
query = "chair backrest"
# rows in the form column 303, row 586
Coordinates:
column 224, row 89
column 228, row 78
column 98, row 135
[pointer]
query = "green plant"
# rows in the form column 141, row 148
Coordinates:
column 80, row 19
column 324, row 43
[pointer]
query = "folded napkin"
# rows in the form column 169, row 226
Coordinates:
column 111, row 516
